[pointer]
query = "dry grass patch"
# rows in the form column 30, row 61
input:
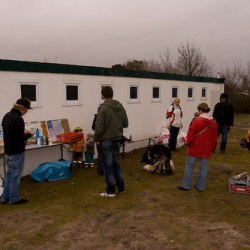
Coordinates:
column 152, row 214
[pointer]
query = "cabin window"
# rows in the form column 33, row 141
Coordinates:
column 156, row 94
column 190, row 92
column 72, row 93
column 204, row 93
column 174, row 92
column 29, row 91
column 133, row 93
column 30, row 88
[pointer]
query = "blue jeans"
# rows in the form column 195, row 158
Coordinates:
column 109, row 151
column 223, row 130
column 174, row 131
column 15, row 164
column 202, row 175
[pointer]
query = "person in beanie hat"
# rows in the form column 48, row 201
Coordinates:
column 77, row 148
column 90, row 150
column 15, row 138
column 224, row 116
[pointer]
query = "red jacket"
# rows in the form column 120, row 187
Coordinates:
column 204, row 144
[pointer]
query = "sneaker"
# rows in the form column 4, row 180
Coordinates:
column 122, row 192
column 21, row 201
column 107, row 195
column 182, row 188
column 222, row 152
column 4, row 202
column 197, row 188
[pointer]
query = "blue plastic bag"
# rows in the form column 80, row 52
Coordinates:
column 52, row 171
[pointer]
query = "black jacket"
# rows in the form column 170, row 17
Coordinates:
column 224, row 113
column 13, row 133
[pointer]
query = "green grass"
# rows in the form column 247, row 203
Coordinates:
column 61, row 202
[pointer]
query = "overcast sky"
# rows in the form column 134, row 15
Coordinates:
column 107, row 32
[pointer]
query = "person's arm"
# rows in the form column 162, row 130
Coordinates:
column 169, row 116
column 99, row 124
column 125, row 120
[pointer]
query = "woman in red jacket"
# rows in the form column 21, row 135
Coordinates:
column 201, row 142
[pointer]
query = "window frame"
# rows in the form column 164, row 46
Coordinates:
column 177, row 91
column 31, row 81
column 67, row 103
column 154, row 100
column 204, row 97
column 136, row 100
column 192, row 97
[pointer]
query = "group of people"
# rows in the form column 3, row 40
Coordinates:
column 202, row 136
column 108, row 130
column 80, row 146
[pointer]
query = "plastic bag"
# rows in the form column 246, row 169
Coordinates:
column 181, row 139
column 164, row 137
column 52, row 171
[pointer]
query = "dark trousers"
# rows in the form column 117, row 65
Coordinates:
column 223, row 130
column 100, row 168
column 174, row 131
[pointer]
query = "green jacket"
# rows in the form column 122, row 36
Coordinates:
column 111, row 119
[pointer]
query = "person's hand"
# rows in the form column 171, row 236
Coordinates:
column 230, row 128
column 29, row 132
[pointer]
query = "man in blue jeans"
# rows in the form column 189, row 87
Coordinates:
column 111, row 119
column 224, row 116
column 15, row 138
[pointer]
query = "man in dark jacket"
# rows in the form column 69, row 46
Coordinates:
column 111, row 119
column 224, row 116
column 15, row 137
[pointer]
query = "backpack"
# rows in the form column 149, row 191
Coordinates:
column 243, row 143
column 170, row 114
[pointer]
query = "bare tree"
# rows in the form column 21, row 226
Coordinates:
column 141, row 65
column 191, row 62
column 236, row 82
column 166, row 60
column 152, row 65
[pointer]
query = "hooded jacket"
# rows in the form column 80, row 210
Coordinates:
column 203, row 144
column 224, row 112
column 13, row 133
column 174, row 116
column 111, row 119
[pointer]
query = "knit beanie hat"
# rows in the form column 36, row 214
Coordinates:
column 224, row 95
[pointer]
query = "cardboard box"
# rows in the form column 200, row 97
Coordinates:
column 239, row 186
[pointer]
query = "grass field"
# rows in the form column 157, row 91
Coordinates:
column 152, row 214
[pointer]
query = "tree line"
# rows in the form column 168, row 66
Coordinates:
column 191, row 61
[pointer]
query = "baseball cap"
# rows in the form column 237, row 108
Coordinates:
column 24, row 102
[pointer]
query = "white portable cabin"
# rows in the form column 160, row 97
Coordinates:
column 73, row 92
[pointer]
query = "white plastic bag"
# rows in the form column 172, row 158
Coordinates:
column 164, row 137
column 181, row 139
